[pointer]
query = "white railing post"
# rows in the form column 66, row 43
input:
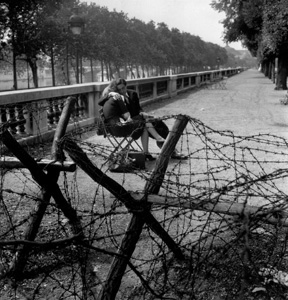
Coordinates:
column 198, row 80
column 154, row 93
column 92, row 105
column 172, row 86
column 137, row 88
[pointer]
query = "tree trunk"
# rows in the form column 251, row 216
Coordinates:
column 266, row 68
column 143, row 71
column 110, row 71
column 81, row 68
column 147, row 70
column 91, row 68
column 102, row 71
column 118, row 70
column 137, row 71
column 107, row 71
column 67, row 65
column 273, row 71
column 15, row 84
column 126, row 71
column 276, row 71
column 282, row 71
column 33, row 66
column 52, row 67
column 270, row 66
column 132, row 73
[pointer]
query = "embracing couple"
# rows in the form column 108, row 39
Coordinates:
column 125, row 117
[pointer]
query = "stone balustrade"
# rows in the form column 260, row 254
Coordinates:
column 32, row 115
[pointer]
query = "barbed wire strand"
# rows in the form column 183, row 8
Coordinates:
column 224, row 250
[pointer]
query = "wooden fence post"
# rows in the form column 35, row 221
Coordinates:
column 49, row 187
column 140, row 209
column 153, row 185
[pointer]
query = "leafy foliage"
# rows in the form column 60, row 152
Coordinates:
column 243, row 21
column 23, row 25
column 262, row 27
column 35, row 30
column 275, row 29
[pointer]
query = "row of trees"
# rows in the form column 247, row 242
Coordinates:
column 36, row 31
column 262, row 26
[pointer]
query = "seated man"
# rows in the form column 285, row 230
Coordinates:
column 157, row 129
column 121, row 124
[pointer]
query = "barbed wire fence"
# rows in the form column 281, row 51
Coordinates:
column 215, row 228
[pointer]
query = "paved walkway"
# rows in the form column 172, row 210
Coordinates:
column 249, row 105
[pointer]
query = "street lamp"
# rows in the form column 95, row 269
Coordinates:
column 76, row 25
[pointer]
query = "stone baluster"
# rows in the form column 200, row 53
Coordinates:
column 82, row 104
column 76, row 111
column 20, row 120
column 12, row 119
column 50, row 115
column 57, row 111
column 3, row 116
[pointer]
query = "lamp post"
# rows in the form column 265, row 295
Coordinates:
column 76, row 25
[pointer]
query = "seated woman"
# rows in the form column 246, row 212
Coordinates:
column 120, row 122
column 157, row 129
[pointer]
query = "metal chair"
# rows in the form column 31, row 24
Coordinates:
column 126, row 151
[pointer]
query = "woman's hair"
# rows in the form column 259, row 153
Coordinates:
column 112, row 86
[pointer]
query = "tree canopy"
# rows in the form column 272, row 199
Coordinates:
column 262, row 26
column 35, row 30
column 21, row 26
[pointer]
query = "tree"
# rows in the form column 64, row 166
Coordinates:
column 243, row 21
column 275, row 38
column 94, row 34
column 262, row 27
column 38, row 29
column 177, row 54
column 155, row 53
column 53, row 41
column 140, row 46
column 22, row 22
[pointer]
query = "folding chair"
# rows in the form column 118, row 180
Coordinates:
column 125, row 151
column 219, row 84
column 223, row 82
